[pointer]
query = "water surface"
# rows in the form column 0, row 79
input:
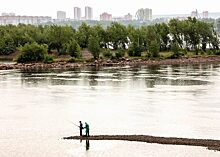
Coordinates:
column 37, row 108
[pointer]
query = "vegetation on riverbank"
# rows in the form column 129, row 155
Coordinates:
column 159, row 41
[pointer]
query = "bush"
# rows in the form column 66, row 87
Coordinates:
column 154, row 48
column 75, row 60
column 209, row 52
column 48, row 59
column 134, row 50
column 175, row 48
column 119, row 53
column 74, row 49
column 107, row 54
column 32, row 52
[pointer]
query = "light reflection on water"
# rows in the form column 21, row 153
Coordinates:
column 177, row 101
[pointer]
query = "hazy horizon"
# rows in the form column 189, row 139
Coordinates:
column 116, row 8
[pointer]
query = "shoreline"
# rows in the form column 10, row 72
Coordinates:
column 208, row 143
column 110, row 63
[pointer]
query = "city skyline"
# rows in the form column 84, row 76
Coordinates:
column 116, row 8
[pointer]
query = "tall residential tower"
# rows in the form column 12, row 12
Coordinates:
column 144, row 14
column 77, row 13
column 61, row 15
column 88, row 13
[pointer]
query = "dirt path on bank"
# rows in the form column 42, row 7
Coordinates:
column 210, row 144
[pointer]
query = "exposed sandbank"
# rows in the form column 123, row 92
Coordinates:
column 210, row 144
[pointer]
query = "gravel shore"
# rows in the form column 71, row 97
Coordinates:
column 121, row 62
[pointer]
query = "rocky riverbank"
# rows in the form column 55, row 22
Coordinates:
column 210, row 144
column 121, row 62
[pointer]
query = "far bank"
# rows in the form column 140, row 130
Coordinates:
column 120, row 62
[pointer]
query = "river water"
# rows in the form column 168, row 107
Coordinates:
column 38, row 108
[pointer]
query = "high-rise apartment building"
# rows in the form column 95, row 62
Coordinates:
column 77, row 13
column 88, row 13
column 61, row 15
column 144, row 14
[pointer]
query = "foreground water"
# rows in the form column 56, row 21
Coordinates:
column 37, row 109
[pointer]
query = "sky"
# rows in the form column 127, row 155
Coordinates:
column 114, row 7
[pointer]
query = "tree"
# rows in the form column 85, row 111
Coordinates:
column 59, row 36
column 73, row 49
column 152, row 40
column 163, row 30
column 176, row 31
column 7, row 45
column 218, row 24
column 100, row 32
column 94, row 46
column 82, row 35
column 118, row 35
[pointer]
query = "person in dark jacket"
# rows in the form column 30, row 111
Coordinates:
column 87, row 129
column 80, row 128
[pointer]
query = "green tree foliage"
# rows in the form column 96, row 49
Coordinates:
column 73, row 49
column 118, row 35
column 82, row 35
column 59, row 36
column 120, row 53
column 7, row 45
column 175, row 48
column 154, row 48
column 137, row 39
column 218, row 25
column 94, row 46
column 190, row 35
column 32, row 52
column 163, row 31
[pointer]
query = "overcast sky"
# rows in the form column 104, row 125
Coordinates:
column 115, row 7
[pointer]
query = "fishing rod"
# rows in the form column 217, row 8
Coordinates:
column 74, row 124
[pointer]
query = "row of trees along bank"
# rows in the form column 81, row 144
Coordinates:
column 176, row 36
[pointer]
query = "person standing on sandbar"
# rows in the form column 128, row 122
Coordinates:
column 87, row 129
column 80, row 128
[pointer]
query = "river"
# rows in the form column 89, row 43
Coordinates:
column 38, row 108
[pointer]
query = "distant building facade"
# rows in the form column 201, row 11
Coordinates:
column 205, row 14
column 88, row 13
column 105, row 17
column 144, row 14
column 195, row 14
column 128, row 17
column 61, row 15
column 9, row 18
column 77, row 13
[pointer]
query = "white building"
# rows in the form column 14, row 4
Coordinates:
column 13, row 19
column 77, row 13
column 144, row 14
column 88, row 13
column 61, row 15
